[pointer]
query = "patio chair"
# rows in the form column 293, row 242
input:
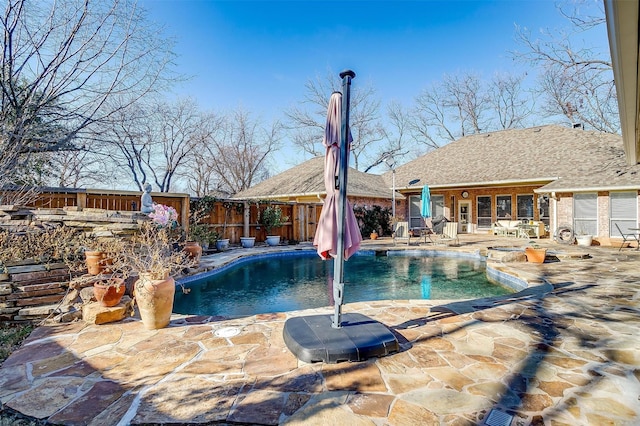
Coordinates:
column 523, row 232
column 627, row 237
column 401, row 233
column 450, row 232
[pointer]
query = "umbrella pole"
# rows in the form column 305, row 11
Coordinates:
column 338, row 263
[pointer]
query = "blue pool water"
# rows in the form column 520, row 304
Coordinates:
column 302, row 281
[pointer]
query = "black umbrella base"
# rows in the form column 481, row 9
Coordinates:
column 312, row 339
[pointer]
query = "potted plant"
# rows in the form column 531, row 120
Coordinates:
column 222, row 244
column 247, row 242
column 108, row 291
column 99, row 256
column 197, row 237
column 534, row 253
column 271, row 218
column 152, row 257
column 583, row 239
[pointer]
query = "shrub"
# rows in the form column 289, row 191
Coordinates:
column 374, row 218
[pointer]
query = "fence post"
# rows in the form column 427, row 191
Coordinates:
column 81, row 200
column 185, row 213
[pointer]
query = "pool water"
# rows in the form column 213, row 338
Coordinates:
column 287, row 283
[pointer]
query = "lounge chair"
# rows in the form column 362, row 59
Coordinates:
column 450, row 232
column 627, row 237
column 401, row 233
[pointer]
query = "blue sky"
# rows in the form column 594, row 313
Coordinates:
column 260, row 54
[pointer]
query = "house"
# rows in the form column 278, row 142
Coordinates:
column 305, row 184
column 623, row 18
column 554, row 174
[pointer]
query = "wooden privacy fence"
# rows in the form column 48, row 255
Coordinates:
column 232, row 219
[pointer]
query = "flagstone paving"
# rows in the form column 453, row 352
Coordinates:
column 566, row 352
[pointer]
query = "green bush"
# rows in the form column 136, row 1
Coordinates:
column 272, row 217
column 374, row 218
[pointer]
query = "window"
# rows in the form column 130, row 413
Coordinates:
column 585, row 214
column 484, row 212
column 624, row 212
column 415, row 220
column 503, row 207
column 415, row 209
column 525, row 207
column 543, row 209
column 437, row 205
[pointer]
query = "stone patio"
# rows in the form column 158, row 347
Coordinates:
column 566, row 352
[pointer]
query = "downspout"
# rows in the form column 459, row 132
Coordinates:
column 555, row 216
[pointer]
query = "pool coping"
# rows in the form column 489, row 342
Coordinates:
column 507, row 274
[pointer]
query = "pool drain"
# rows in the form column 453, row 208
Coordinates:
column 227, row 332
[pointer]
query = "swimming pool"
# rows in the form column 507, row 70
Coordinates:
column 301, row 280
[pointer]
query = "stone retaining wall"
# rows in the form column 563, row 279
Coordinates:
column 31, row 290
column 102, row 223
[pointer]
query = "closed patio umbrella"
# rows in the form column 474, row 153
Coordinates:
column 329, row 226
column 425, row 204
column 359, row 337
column 337, row 234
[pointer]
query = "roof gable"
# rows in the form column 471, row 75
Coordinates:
column 308, row 179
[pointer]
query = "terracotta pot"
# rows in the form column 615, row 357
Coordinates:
column 535, row 255
column 194, row 249
column 109, row 293
column 96, row 262
column 155, row 300
column 374, row 235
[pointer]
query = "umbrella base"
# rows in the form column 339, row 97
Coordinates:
column 312, row 339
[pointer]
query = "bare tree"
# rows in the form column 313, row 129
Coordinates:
column 576, row 79
column 239, row 151
column 508, row 101
column 452, row 108
column 200, row 177
column 397, row 135
column 468, row 99
column 155, row 140
column 61, row 64
column 72, row 169
column 306, row 122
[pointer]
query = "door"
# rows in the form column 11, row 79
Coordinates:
column 464, row 216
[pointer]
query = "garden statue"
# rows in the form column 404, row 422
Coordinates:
column 146, row 201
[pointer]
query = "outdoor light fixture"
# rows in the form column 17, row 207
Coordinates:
column 391, row 162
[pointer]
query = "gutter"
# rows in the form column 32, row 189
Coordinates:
column 484, row 183
column 587, row 189
column 312, row 194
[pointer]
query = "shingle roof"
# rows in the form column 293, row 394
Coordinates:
column 307, row 179
column 564, row 158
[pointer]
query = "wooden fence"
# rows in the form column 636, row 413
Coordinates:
column 236, row 218
column 230, row 218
